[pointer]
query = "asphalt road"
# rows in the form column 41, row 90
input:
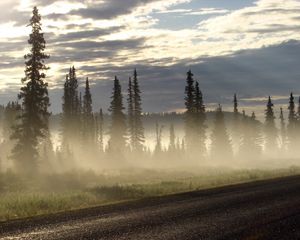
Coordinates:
column 260, row 210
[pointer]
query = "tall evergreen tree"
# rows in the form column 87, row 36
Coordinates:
column 250, row 147
column 138, row 133
column 256, row 136
column 298, row 111
column 221, row 148
column 131, row 125
column 11, row 113
column 71, row 115
column 101, row 134
column 172, row 143
column 270, row 129
column 283, row 136
column 236, row 125
column 292, row 125
column 190, row 111
column 9, row 116
column 298, row 118
column 118, row 125
column 87, row 115
column 33, row 122
column 235, row 106
column 158, row 147
column 200, row 118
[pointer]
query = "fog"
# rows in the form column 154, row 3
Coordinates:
column 236, row 145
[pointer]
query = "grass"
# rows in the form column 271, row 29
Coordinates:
column 19, row 199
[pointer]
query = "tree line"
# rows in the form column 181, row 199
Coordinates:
column 27, row 141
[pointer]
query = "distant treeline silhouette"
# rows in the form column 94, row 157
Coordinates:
column 27, row 144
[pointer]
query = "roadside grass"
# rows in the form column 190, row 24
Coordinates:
column 21, row 205
column 20, row 202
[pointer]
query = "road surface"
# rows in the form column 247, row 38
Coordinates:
column 260, row 210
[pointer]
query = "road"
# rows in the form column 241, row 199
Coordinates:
column 260, row 210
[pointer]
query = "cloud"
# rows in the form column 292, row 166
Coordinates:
column 208, row 11
column 112, row 45
column 110, row 9
column 266, row 23
column 174, row 11
column 199, row 12
column 85, row 34
column 263, row 99
column 252, row 74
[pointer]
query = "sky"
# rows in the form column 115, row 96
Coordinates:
column 248, row 47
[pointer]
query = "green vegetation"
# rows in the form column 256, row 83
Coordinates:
column 21, row 198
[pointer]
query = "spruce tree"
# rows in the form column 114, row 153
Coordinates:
column 71, row 115
column 283, row 136
column 292, row 125
column 270, row 129
column 11, row 113
column 244, row 137
column 221, row 148
column 235, row 106
column 33, row 121
column 236, row 125
column 131, row 124
column 101, row 134
column 87, row 114
column 158, row 147
column 298, row 116
column 200, row 118
column 118, row 121
column 190, row 111
column 250, row 146
column 172, row 143
column 8, row 117
column 256, row 138
column 298, row 111
column 138, row 133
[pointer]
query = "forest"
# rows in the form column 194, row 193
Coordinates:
column 83, row 147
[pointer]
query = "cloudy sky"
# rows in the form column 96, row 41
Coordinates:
column 251, row 47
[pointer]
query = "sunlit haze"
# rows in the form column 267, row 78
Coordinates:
column 246, row 47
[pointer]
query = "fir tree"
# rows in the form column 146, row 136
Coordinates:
column 71, row 115
column 298, row 116
column 270, row 129
column 11, row 113
column 298, row 111
column 118, row 124
column 33, row 124
column 200, row 118
column 236, row 127
column 87, row 100
column 292, row 124
column 158, row 147
column 221, row 146
column 8, row 117
column 172, row 144
column 235, row 106
column 79, row 108
column 130, row 103
column 87, row 115
column 190, row 111
column 255, row 135
column 101, row 138
column 250, row 147
column 283, row 137
column 138, row 133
